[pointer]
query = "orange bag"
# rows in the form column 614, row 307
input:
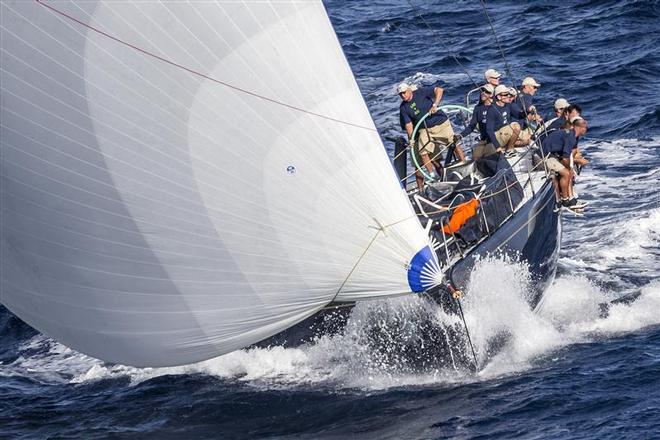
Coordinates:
column 461, row 214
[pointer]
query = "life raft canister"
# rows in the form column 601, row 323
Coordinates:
column 461, row 214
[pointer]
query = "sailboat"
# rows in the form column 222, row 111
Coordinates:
column 182, row 180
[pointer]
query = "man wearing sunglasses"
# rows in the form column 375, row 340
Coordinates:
column 502, row 133
column 527, row 92
column 478, row 120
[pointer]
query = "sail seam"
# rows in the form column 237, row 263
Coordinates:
column 200, row 74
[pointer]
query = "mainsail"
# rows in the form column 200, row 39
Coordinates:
column 183, row 179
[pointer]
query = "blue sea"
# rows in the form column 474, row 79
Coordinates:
column 565, row 371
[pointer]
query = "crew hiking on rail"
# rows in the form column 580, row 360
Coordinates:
column 505, row 119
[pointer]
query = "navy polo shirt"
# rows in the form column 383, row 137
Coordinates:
column 555, row 124
column 496, row 118
column 560, row 143
column 525, row 100
column 551, row 126
column 518, row 114
column 418, row 106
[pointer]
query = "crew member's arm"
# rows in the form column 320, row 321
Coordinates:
column 406, row 123
column 472, row 125
column 490, row 126
column 409, row 130
column 437, row 96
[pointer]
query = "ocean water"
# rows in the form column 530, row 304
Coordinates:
column 564, row 371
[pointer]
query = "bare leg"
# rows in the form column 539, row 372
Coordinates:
column 564, row 182
column 426, row 162
column 571, row 175
column 555, row 185
column 420, row 180
column 459, row 153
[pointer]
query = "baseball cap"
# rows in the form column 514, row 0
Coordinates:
column 488, row 88
column 529, row 81
column 501, row 89
column 402, row 87
column 491, row 73
column 513, row 91
column 561, row 104
column 577, row 119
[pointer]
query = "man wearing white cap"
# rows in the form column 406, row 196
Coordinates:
column 523, row 108
column 492, row 77
column 526, row 97
column 437, row 129
column 502, row 133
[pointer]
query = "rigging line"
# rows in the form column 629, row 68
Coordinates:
column 508, row 69
column 380, row 229
column 497, row 40
column 195, row 72
column 435, row 34
column 467, row 333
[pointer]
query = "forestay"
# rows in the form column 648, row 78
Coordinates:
column 183, row 179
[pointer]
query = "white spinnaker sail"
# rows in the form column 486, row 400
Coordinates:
column 183, row 179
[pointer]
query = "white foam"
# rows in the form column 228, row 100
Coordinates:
column 495, row 304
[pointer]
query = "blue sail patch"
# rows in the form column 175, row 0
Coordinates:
column 423, row 271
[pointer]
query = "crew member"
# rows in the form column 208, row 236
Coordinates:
column 527, row 92
column 554, row 123
column 559, row 146
column 492, row 77
column 517, row 114
column 479, row 116
column 502, row 133
column 436, row 127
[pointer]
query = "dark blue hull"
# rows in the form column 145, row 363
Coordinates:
column 532, row 235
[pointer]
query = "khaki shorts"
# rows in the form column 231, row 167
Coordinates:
column 554, row 165
column 483, row 149
column 503, row 135
column 441, row 133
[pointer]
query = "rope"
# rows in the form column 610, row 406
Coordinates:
column 497, row 40
column 380, row 229
column 196, row 73
column 435, row 34
column 507, row 67
column 456, row 294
